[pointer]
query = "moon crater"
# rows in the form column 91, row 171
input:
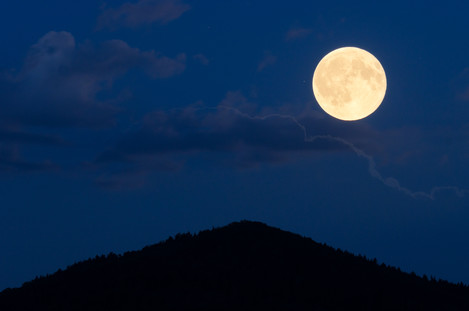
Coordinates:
column 349, row 83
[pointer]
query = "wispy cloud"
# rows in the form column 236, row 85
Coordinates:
column 267, row 60
column 142, row 12
column 14, row 140
column 297, row 33
column 245, row 140
column 201, row 58
column 59, row 83
column 12, row 161
column 461, row 84
column 222, row 129
column 8, row 135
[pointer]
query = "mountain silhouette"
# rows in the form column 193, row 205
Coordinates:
column 243, row 266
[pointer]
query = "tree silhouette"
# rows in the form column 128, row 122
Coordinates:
column 245, row 265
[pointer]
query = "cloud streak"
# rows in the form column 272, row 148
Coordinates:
column 221, row 130
column 387, row 181
column 23, row 137
column 297, row 33
column 143, row 12
column 12, row 161
column 251, row 138
column 267, row 61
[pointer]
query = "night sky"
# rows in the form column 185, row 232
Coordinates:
column 122, row 123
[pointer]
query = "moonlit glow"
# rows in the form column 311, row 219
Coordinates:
column 349, row 83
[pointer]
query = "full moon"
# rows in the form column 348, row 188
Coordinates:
column 349, row 83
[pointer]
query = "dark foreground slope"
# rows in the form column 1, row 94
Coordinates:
column 243, row 266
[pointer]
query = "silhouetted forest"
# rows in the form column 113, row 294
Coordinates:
column 242, row 266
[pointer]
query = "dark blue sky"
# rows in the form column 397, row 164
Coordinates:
column 122, row 123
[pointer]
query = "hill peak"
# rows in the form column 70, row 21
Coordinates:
column 244, row 265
